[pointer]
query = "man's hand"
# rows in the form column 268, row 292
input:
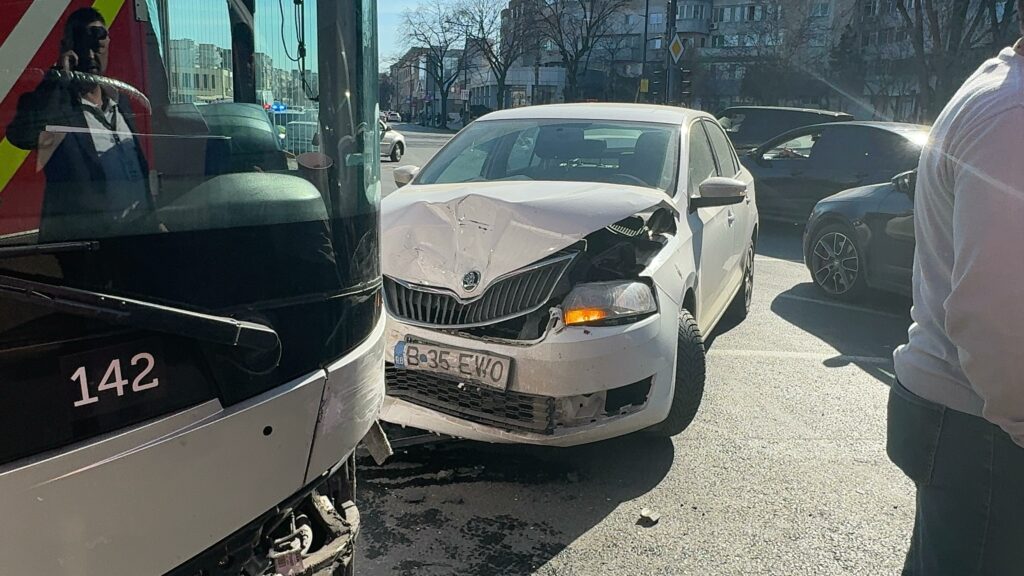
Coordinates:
column 68, row 61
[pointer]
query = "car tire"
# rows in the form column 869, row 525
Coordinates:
column 689, row 378
column 739, row 308
column 837, row 264
column 397, row 151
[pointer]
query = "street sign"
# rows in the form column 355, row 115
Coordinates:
column 645, row 85
column 676, row 49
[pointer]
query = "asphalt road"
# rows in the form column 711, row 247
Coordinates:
column 420, row 144
column 782, row 472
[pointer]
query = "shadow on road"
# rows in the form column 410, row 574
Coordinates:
column 780, row 240
column 864, row 334
column 481, row 509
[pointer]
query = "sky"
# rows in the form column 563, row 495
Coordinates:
column 389, row 23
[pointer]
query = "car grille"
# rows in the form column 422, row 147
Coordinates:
column 515, row 294
column 511, row 411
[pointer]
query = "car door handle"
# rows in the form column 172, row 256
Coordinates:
column 731, row 217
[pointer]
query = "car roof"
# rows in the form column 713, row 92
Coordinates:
column 890, row 126
column 600, row 111
column 790, row 109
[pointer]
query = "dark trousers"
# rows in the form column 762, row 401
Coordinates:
column 970, row 489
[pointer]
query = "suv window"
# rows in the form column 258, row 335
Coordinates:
column 727, row 163
column 701, row 162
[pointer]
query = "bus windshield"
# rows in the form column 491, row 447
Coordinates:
column 164, row 164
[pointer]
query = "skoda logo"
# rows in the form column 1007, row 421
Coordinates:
column 470, row 281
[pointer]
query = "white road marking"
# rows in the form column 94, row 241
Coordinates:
column 814, row 356
column 843, row 306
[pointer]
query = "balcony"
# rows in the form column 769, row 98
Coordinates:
column 690, row 26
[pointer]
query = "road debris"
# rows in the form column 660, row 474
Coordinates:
column 648, row 518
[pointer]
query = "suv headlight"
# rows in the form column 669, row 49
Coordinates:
column 607, row 302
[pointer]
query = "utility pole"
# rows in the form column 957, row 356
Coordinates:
column 643, row 59
column 670, row 66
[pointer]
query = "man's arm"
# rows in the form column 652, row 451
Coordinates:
column 985, row 311
column 38, row 108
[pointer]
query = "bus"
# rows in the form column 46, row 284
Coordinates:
column 191, row 331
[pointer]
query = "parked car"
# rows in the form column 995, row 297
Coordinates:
column 392, row 142
column 751, row 126
column 551, row 272
column 393, row 117
column 298, row 137
column 863, row 238
column 797, row 169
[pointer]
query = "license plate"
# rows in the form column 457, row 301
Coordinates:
column 489, row 370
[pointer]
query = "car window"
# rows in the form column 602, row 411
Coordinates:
column 798, row 147
column 838, row 145
column 618, row 152
column 727, row 163
column 700, row 161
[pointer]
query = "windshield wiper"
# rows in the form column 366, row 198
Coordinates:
column 139, row 314
column 51, row 248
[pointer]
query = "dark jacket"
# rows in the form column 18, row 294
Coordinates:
column 76, row 204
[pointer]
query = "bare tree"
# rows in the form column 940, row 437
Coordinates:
column 614, row 48
column 495, row 36
column 949, row 37
column 575, row 27
column 433, row 27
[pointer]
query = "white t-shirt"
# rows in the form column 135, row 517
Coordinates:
column 966, row 348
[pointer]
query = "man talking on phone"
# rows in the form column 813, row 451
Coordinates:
column 83, row 130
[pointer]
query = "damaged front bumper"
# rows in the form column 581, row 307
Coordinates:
column 574, row 386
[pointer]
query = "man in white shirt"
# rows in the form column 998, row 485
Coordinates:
column 956, row 413
column 82, row 129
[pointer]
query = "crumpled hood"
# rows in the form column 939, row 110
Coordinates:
column 433, row 235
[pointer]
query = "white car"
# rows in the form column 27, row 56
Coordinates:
column 392, row 142
column 393, row 117
column 549, row 274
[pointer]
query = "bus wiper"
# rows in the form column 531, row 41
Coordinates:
column 51, row 248
column 139, row 314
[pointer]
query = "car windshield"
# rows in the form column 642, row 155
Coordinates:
column 616, row 152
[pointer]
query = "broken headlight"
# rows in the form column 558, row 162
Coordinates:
column 607, row 303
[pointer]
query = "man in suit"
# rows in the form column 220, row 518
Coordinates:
column 83, row 130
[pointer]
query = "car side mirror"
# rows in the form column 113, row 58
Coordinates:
column 906, row 182
column 387, row 127
column 719, row 191
column 405, row 174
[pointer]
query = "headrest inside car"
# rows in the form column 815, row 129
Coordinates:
column 559, row 142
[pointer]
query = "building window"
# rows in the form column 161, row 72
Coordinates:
column 213, row 81
column 719, row 14
column 717, row 41
column 869, row 8
column 656, row 44
column 206, row 82
column 657, row 18
column 817, row 40
column 703, row 42
column 821, row 10
column 196, row 77
column 698, row 12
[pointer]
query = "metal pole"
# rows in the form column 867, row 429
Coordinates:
column 643, row 61
column 670, row 36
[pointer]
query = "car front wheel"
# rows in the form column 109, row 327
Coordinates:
column 689, row 380
column 397, row 151
column 837, row 263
